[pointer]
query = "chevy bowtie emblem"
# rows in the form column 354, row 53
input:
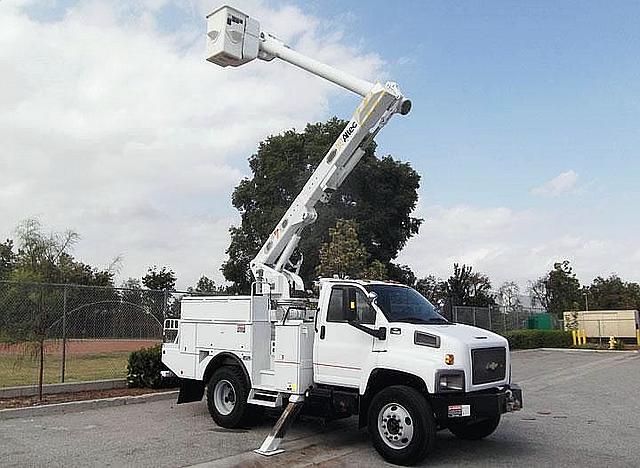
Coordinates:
column 493, row 365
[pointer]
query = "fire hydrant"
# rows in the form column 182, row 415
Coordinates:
column 612, row 342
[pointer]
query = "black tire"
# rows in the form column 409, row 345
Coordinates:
column 231, row 410
column 419, row 419
column 475, row 430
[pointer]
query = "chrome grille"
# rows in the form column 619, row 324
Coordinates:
column 488, row 364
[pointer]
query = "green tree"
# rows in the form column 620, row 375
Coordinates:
column 433, row 289
column 468, row 288
column 345, row 256
column 558, row 291
column 613, row 293
column 380, row 195
column 402, row 274
column 206, row 285
column 160, row 278
column 7, row 258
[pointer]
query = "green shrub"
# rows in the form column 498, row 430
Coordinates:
column 529, row 339
column 143, row 369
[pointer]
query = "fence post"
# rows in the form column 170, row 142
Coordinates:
column 42, row 338
column 165, row 304
column 490, row 327
column 473, row 311
column 64, row 333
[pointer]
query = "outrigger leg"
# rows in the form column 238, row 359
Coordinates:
column 272, row 442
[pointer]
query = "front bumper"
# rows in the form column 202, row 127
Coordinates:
column 476, row 405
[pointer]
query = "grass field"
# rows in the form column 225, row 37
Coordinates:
column 17, row 370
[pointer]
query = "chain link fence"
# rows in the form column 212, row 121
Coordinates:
column 53, row 333
column 497, row 319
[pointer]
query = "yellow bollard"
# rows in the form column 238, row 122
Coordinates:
column 612, row 342
column 574, row 337
column 584, row 337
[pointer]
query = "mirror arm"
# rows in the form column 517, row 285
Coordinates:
column 380, row 333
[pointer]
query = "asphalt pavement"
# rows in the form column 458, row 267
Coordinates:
column 581, row 408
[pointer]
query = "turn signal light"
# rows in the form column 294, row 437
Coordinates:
column 448, row 359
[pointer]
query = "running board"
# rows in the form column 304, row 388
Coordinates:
column 272, row 442
column 265, row 398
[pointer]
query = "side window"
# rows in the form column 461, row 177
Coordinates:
column 335, row 313
column 347, row 303
column 364, row 311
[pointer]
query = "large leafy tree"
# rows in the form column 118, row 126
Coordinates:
column 379, row 195
column 557, row 291
column 433, row 288
column 160, row 278
column 468, row 288
column 613, row 293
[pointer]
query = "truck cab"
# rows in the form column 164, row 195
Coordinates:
column 366, row 327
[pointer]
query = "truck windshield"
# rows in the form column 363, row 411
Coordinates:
column 401, row 304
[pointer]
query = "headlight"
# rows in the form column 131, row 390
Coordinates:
column 450, row 381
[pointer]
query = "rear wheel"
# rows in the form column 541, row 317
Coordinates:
column 475, row 430
column 401, row 425
column 227, row 394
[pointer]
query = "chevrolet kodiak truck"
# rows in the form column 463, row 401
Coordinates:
column 371, row 349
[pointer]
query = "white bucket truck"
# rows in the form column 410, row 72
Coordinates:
column 368, row 348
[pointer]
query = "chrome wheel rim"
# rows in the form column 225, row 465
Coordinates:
column 395, row 426
column 224, row 397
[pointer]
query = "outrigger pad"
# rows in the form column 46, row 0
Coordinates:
column 190, row 390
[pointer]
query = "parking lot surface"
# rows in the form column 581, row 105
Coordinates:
column 581, row 408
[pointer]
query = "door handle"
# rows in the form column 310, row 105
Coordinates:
column 322, row 332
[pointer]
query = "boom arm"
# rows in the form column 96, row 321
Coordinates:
column 234, row 39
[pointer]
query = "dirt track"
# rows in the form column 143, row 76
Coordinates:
column 82, row 346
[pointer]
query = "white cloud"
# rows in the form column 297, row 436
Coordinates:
column 119, row 129
column 564, row 182
column 514, row 245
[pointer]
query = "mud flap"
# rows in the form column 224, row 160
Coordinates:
column 190, row 390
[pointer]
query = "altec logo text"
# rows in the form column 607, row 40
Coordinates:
column 349, row 131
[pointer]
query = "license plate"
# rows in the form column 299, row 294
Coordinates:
column 459, row 411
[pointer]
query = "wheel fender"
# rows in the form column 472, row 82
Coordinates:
column 225, row 359
column 380, row 378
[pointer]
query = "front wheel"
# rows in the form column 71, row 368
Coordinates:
column 475, row 430
column 401, row 425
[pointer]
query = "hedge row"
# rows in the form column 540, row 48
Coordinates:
column 143, row 369
column 529, row 339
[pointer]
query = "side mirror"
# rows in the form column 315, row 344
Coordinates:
column 372, row 296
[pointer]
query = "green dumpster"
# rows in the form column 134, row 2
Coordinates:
column 540, row 322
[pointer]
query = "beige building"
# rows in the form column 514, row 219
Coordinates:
column 604, row 323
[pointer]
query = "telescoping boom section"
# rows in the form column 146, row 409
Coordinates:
column 273, row 261
column 234, row 39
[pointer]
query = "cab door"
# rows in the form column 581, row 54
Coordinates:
column 340, row 350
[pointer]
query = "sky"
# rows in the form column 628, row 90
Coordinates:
column 525, row 126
